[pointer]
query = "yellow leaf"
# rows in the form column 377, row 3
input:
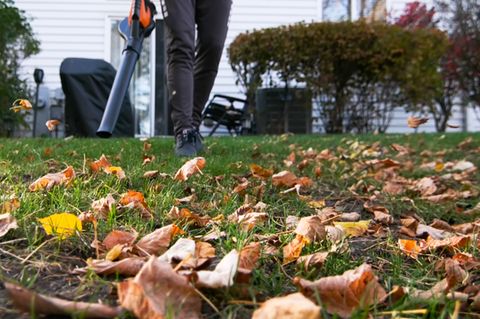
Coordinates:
column 439, row 166
column 63, row 224
column 114, row 253
column 354, row 228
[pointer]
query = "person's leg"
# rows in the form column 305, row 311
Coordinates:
column 212, row 23
column 179, row 17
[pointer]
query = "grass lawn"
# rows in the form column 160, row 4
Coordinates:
column 343, row 181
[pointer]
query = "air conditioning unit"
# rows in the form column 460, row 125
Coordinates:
column 279, row 111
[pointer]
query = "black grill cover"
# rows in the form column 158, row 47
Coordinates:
column 86, row 84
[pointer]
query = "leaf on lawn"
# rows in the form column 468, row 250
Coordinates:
column 293, row 306
column 313, row 260
column 7, row 222
column 36, row 304
column 357, row 288
column 119, row 237
column 191, row 167
column 46, row 182
column 100, row 164
column 354, row 229
column 52, row 124
column 126, row 267
column 10, row 205
column 260, row 172
column 249, row 220
column 426, row 186
column 248, row 261
column 102, row 207
column 136, row 200
column 158, row 292
column 115, row 170
column 223, row 274
column 21, row 105
column 203, row 253
column 415, row 122
column 293, row 249
column 240, row 188
column 311, row 228
column 157, row 242
column 187, row 216
column 62, row 225
column 284, row 178
column 411, row 247
column 183, row 249
column 114, row 253
column 453, row 243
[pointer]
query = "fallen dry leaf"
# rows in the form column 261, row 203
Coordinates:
column 187, row 216
column 115, row 170
column 311, row 228
column 293, row 306
column 260, row 172
column 293, row 249
column 284, row 178
column 157, row 242
column 119, row 237
column 415, row 122
column 10, row 205
column 126, row 267
column 21, row 105
column 223, row 274
column 313, row 260
column 62, row 225
column 183, row 249
column 7, row 222
column 248, row 261
column 46, row 182
column 100, row 164
column 102, row 207
column 191, row 167
column 411, row 247
column 52, row 124
column 37, row 304
column 354, row 229
column 158, row 292
column 357, row 288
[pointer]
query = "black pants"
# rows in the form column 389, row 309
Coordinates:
column 193, row 65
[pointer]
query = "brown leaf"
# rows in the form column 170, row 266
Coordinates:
column 260, row 172
column 249, row 256
column 100, row 164
column 126, row 267
column 313, row 260
column 223, row 274
column 118, row 237
column 7, row 222
column 187, row 216
column 293, row 306
column 415, row 122
column 46, row 182
column 240, row 188
column 452, row 243
column 357, row 288
column 10, row 205
column 284, row 178
column 103, row 206
column 426, row 186
column 293, row 249
column 157, row 242
column 311, row 228
column 37, row 304
column 249, row 220
column 191, row 167
column 51, row 124
column 158, row 292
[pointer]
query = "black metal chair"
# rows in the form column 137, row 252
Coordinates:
column 228, row 111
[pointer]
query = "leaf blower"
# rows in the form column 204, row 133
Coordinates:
column 134, row 29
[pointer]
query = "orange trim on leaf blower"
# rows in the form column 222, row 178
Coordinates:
column 145, row 14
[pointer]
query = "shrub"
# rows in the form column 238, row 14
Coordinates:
column 357, row 72
column 17, row 42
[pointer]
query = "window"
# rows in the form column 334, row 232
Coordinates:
column 142, row 83
column 341, row 10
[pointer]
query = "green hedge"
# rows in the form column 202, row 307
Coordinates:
column 357, row 72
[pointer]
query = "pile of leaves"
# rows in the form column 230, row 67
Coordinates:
column 300, row 233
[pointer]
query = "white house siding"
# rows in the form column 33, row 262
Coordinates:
column 79, row 28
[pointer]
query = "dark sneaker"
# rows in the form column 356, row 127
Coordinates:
column 185, row 144
column 198, row 141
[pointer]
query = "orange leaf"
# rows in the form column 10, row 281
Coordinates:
column 115, row 170
column 157, row 242
column 99, row 164
column 249, row 256
column 189, row 168
column 284, row 178
column 9, row 205
column 357, row 288
column 51, row 124
column 188, row 216
column 158, row 292
column 21, row 105
column 415, row 122
column 293, row 306
column 293, row 249
column 260, row 172
column 118, row 237
column 46, row 182
column 410, row 247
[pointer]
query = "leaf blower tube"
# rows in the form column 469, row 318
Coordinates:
column 140, row 25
